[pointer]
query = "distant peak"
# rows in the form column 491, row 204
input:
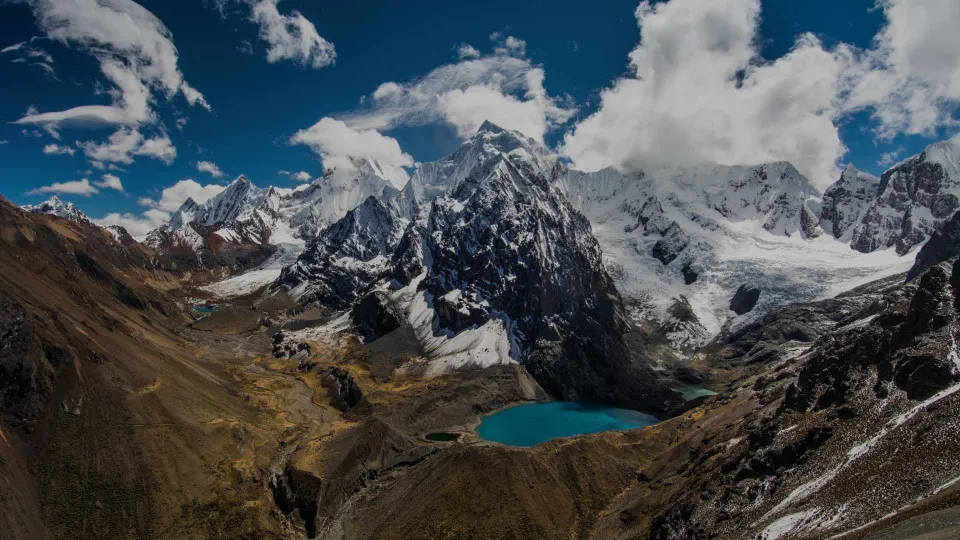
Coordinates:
column 489, row 127
column 240, row 180
column 55, row 200
column 851, row 169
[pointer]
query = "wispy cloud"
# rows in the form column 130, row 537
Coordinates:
column 302, row 176
column 289, row 36
column 56, row 149
column 135, row 51
column 211, row 168
column 27, row 52
column 110, row 181
column 75, row 187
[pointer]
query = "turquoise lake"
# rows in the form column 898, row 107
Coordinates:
column 204, row 309
column 533, row 423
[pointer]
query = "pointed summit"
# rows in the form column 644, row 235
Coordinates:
column 240, row 180
column 489, row 127
column 56, row 207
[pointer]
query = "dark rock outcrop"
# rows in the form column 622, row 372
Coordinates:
column 343, row 389
column 943, row 246
column 908, row 344
column 690, row 274
column 374, row 316
column 745, row 299
column 673, row 242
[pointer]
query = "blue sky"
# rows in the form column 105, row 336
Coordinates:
column 580, row 49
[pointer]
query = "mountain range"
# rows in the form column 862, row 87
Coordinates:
column 280, row 362
column 677, row 241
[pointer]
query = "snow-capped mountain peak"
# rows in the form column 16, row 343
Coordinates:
column 475, row 157
column 55, row 206
column 915, row 197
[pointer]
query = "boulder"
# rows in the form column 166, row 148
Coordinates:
column 745, row 299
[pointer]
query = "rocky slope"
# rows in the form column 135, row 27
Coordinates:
column 112, row 425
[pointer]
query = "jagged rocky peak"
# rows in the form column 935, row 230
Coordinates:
column 915, row 197
column 56, row 207
column 346, row 258
column 228, row 205
column 489, row 143
column 185, row 214
column 846, row 201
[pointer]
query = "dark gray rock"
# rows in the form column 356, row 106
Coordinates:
column 745, row 299
column 375, row 316
column 690, row 274
column 673, row 242
column 943, row 246
column 343, row 389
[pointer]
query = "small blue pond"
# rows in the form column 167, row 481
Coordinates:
column 533, row 423
column 693, row 392
column 204, row 309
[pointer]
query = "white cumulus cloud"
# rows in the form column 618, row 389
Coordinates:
column 291, row 37
column 504, row 87
column 173, row 196
column 302, row 176
column 126, row 143
column 467, row 52
column 911, row 78
column 338, row 145
column 137, row 226
column 699, row 91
